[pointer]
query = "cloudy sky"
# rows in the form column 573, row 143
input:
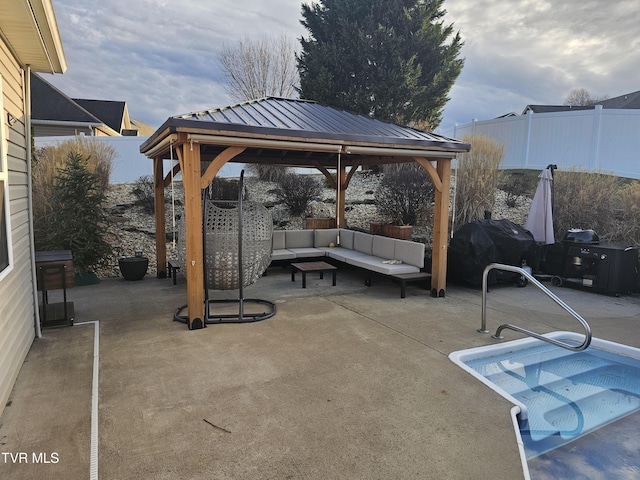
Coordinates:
column 160, row 55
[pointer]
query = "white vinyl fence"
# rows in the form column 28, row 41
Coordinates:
column 604, row 140
column 130, row 164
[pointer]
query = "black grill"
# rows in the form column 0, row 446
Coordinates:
column 605, row 268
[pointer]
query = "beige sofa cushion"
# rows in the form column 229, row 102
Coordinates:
column 383, row 247
column 346, row 238
column 410, row 252
column 278, row 240
column 363, row 242
column 298, row 239
column 323, row 237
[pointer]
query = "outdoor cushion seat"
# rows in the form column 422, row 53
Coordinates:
column 282, row 254
column 279, row 250
column 376, row 264
column 307, row 252
column 343, row 254
column 374, row 253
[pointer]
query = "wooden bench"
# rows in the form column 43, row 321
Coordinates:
column 173, row 268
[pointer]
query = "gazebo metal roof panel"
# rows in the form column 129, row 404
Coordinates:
column 309, row 119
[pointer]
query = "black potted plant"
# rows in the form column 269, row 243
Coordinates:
column 134, row 268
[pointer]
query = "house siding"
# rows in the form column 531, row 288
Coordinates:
column 17, row 310
column 59, row 131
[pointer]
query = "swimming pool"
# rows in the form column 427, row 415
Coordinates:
column 564, row 400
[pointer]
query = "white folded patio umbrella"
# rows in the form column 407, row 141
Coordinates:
column 540, row 219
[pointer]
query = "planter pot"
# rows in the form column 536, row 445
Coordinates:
column 402, row 232
column 375, row 228
column 133, row 268
column 319, row 223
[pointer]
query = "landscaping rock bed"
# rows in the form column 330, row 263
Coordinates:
column 134, row 229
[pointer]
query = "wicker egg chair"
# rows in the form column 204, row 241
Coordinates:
column 237, row 251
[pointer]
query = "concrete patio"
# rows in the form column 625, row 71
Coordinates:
column 345, row 382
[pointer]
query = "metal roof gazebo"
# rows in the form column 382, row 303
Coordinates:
column 292, row 133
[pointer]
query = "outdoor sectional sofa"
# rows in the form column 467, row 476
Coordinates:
column 402, row 260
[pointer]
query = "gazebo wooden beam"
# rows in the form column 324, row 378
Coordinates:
column 431, row 170
column 174, row 171
column 217, row 163
column 343, row 180
column 330, row 178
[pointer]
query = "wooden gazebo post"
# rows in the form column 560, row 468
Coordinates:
column 441, row 177
column 189, row 156
column 441, row 230
column 341, row 179
column 158, row 203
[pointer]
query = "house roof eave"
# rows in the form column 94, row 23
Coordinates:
column 30, row 29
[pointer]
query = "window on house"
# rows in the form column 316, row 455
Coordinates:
column 5, row 231
column 4, row 244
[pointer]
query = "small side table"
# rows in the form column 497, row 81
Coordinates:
column 310, row 267
column 55, row 272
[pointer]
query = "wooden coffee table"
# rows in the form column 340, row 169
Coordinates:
column 310, row 267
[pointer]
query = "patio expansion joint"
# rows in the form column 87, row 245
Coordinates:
column 388, row 327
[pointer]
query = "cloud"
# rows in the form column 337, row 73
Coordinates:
column 160, row 55
column 536, row 51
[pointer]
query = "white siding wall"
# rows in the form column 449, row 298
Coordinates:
column 592, row 140
column 16, row 289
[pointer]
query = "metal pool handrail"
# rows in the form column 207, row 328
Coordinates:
column 549, row 293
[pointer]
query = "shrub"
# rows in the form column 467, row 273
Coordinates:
column 585, row 200
column 77, row 221
column 517, row 184
column 48, row 161
column 297, row 191
column 477, row 179
column 224, row 189
column 144, row 191
column 628, row 216
column 404, row 192
column 268, row 172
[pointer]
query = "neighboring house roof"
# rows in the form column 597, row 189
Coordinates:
column 144, row 129
column 31, row 32
column 49, row 103
column 554, row 108
column 50, row 106
column 626, row 101
column 629, row 100
column 510, row 114
column 110, row 112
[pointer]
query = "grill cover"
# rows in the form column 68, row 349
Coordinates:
column 477, row 244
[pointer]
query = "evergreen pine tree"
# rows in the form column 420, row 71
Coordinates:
column 78, row 221
column 394, row 60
